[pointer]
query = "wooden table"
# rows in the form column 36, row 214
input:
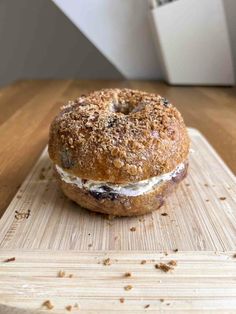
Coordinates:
column 27, row 107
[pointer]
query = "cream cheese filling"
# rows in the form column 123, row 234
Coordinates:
column 128, row 189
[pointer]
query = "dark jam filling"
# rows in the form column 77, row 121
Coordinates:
column 107, row 194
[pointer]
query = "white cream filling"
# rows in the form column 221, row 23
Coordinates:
column 130, row 189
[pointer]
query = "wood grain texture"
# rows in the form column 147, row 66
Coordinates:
column 40, row 217
column 27, row 108
column 58, row 235
column 201, row 281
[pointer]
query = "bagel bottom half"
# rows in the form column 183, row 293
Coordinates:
column 121, row 205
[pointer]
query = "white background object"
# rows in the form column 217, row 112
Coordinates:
column 120, row 30
column 193, row 42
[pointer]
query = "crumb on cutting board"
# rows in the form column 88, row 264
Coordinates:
column 164, row 267
column 164, row 214
column 61, row 274
column 222, row 198
column 132, row 229
column 69, row 308
column 128, row 287
column 122, row 300
column 143, row 262
column 128, row 274
column 48, row 304
column 8, row 260
column 107, row 261
column 172, row 263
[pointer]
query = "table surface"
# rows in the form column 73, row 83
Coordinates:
column 27, row 108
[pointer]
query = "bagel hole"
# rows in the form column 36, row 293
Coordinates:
column 127, row 108
column 124, row 108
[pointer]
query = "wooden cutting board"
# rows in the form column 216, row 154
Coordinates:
column 46, row 233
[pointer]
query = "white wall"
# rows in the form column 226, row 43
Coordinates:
column 120, row 30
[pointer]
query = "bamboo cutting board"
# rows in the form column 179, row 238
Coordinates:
column 46, row 233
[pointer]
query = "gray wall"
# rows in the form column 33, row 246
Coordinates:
column 230, row 11
column 38, row 41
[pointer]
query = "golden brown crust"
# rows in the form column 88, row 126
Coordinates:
column 120, row 205
column 118, row 136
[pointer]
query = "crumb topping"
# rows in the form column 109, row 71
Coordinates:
column 126, row 130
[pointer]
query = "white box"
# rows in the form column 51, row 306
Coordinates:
column 193, row 43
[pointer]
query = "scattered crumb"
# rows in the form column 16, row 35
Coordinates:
column 187, row 184
column 115, row 238
column 167, row 303
column 41, row 176
column 22, row 215
column 11, row 259
column 176, row 250
column 165, row 253
column 128, row 275
column 207, row 200
column 132, row 229
column 71, row 276
column 107, row 261
column 127, row 288
column 61, row 274
column 147, row 306
column 162, row 300
column 234, row 256
column 143, row 262
column 164, row 214
column 222, row 198
column 18, row 196
column 89, row 234
column 206, row 184
column 163, row 267
column 172, row 263
column 122, row 300
column 90, row 245
column 69, row 308
column 48, row 304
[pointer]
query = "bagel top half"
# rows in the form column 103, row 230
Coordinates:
column 118, row 136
